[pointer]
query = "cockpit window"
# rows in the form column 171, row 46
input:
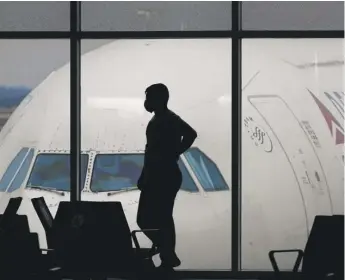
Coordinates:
column 116, row 172
column 187, row 182
column 205, row 170
column 17, row 170
column 52, row 171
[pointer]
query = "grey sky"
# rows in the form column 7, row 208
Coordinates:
column 211, row 15
column 170, row 15
column 28, row 62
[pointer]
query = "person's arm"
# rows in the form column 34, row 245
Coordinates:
column 188, row 136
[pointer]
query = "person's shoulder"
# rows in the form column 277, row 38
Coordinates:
column 173, row 115
column 175, row 119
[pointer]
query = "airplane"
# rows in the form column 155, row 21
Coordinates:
column 292, row 140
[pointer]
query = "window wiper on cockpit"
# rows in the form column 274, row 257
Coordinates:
column 46, row 189
column 122, row 190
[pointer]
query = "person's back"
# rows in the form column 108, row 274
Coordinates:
column 163, row 143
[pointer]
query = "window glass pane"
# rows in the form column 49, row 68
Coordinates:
column 293, row 143
column 34, row 16
column 156, row 16
column 293, row 15
column 34, row 111
column 22, row 171
column 197, row 73
column 52, row 171
column 12, row 169
column 206, row 171
column 121, row 172
column 116, row 172
column 188, row 183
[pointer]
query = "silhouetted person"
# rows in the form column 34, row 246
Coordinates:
column 168, row 136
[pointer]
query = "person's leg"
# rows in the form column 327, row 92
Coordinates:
column 168, row 255
column 147, row 216
column 168, row 234
column 155, row 211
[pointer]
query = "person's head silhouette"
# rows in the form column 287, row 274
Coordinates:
column 157, row 97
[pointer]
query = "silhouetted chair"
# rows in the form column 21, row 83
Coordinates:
column 320, row 256
column 44, row 215
column 19, row 223
column 338, row 246
column 11, row 210
column 20, row 256
column 93, row 239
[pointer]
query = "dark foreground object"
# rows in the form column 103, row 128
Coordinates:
column 92, row 240
column 323, row 255
column 86, row 240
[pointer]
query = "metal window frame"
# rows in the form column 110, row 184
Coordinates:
column 75, row 35
column 75, row 100
column 242, row 34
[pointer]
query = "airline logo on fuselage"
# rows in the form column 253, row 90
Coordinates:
column 336, row 129
column 258, row 135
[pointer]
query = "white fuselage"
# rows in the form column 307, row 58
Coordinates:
column 292, row 151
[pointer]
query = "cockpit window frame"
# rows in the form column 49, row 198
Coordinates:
column 55, row 152
column 206, row 190
column 26, row 159
column 117, row 153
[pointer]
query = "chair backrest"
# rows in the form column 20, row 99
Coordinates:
column 19, row 223
column 43, row 213
column 338, row 246
column 92, row 236
column 318, row 258
column 19, row 248
column 10, row 211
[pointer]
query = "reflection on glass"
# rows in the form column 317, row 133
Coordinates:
column 52, row 171
column 16, row 171
column 115, row 172
column 206, row 171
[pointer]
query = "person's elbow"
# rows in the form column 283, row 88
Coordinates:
column 192, row 135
